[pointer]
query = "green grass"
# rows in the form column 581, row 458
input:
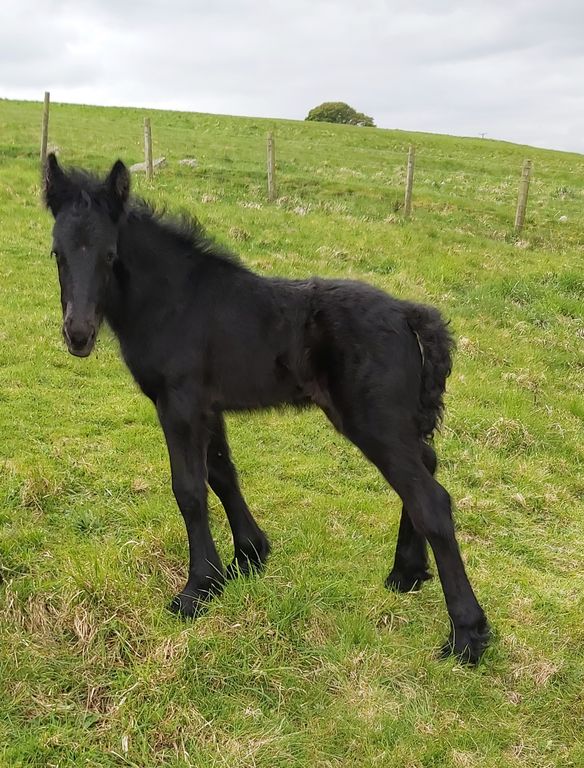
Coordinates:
column 313, row 663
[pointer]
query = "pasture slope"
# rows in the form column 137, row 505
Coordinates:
column 312, row 664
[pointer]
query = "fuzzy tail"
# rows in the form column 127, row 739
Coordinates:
column 437, row 346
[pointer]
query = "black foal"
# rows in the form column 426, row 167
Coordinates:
column 202, row 335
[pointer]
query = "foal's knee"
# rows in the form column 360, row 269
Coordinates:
column 222, row 476
column 187, row 499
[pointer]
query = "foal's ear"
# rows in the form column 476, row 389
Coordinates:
column 118, row 188
column 56, row 187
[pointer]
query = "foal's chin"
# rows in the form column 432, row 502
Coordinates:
column 85, row 352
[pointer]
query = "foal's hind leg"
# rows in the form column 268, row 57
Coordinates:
column 428, row 504
column 410, row 567
column 250, row 543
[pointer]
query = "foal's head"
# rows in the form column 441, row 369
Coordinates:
column 87, row 215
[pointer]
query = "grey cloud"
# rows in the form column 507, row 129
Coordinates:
column 512, row 69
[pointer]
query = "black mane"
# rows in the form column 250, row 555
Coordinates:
column 184, row 230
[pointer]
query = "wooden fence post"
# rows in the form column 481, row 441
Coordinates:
column 271, row 168
column 409, row 181
column 45, row 129
column 522, row 196
column 148, row 149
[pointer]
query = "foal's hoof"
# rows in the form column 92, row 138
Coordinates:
column 398, row 581
column 189, row 606
column 191, row 603
column 468, row 644
column 248, row 561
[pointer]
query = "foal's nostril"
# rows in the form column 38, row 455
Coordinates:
column 78, row 336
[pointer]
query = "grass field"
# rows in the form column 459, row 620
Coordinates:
column 313, row 663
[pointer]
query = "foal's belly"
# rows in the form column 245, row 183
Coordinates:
column 256, row 387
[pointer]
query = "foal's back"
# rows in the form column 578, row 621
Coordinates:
column 272, row 341
column 254, row 339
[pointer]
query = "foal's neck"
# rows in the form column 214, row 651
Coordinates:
column 141, row 276
column 155, row 266
column 157, row 263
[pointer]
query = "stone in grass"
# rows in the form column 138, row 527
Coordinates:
column 563, row 219
column 160, row 162
column 190, row 162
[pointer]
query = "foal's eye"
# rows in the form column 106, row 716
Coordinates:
column 110, row 257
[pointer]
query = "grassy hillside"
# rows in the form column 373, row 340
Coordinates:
column 312, row 663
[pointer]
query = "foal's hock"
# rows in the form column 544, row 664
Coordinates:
column 202, row 335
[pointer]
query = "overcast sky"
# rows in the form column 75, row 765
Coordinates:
column 512, row 69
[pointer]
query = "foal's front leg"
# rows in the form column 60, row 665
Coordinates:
column 250, row 543
column 187, row 437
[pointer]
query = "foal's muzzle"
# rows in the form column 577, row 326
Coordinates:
column 80, row 338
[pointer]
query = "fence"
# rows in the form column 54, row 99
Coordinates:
column 149, row 166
